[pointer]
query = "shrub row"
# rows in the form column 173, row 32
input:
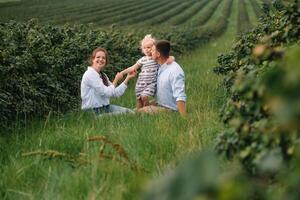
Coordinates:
column 243, row 23
column 262, row 77
column 203, row 178
column 41, row 65
column 256, row 7
column 206, row 14
column 262, row 110
column 185, row 16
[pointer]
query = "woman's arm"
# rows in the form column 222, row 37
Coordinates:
column 93, row 80
column 118, row 77
column 119, row 91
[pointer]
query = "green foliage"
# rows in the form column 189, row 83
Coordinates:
column 262, row 80
column 42, row 65
column 201, row 177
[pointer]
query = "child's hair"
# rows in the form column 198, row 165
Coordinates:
column 146, row 38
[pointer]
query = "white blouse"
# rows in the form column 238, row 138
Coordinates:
column 94, row 93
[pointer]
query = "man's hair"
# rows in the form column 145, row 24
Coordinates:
column 163, row 47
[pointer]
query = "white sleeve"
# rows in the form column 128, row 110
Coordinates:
column 96, row 82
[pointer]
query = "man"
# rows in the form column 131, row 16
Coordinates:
column 170, row 92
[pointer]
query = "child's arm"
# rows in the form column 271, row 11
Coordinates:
column 170, row 59
column 131, row 69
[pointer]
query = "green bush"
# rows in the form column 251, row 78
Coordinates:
column 201, row 177
column 262, row 110
column 42, row 65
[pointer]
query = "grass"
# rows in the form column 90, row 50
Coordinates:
column 151, row 142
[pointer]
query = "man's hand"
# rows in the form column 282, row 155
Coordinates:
column 181, row 108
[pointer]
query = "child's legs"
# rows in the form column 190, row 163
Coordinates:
column 153, row 109
column 139, row 103
column 144, row 100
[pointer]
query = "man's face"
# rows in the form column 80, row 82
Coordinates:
column 155, row 53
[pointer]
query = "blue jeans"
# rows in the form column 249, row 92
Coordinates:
column 111, row 109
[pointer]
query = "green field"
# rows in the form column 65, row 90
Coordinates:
column 52, row 157
column 4, row 1
column 106, row 12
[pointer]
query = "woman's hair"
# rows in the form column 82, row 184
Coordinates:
column 147, row 38
column 95, row 52
column 103, row 76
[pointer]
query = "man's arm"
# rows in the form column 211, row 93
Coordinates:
column 178, row 88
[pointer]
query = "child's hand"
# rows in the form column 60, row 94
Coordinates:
column 170, row 60
column 131, row 74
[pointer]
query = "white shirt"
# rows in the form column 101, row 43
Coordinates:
column 94, row 93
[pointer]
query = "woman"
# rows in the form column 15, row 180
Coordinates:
column 96, row 89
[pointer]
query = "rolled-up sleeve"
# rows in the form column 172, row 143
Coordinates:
column 178, row 87
column 119, row 91
column 96, row 83
column 102, row 90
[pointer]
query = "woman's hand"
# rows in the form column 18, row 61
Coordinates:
column 118, row 77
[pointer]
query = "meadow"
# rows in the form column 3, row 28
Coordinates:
column 75, row 155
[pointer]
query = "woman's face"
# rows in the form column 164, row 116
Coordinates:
column 99, row 61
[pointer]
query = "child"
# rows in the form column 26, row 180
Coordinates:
column 146, row 82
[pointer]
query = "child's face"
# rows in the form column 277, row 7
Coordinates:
column 147, row 47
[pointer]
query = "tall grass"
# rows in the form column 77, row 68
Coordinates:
column 65, row 165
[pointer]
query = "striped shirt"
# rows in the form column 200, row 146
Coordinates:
column 146, row 83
